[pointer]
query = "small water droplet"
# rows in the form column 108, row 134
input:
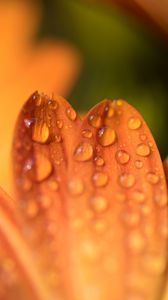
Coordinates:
column 154, row 264
column 143, row 137
column 28, row 122
column 57, row 138
column 119, row 102
column 143, row 150
column 45, row 201
column 107, row 136
column 161, row 200
column 131, row 218
column 99, row 204
column 134, row 123
column 83, row 152
column 137, row 196
column 100, row 226
column 122, row 157
column 136, row 242
column 146, row 210
column 139, row 164
column 95, row 120
column 71, row 114
column 152, row 178
column 52, row 104
column 75, row 186
column 40, row 132
column 39, row 169
column 100, row 179
column 38, row 100
column 59, row 124
column 99, row 161
column 126, row 180
column 53, row 185
column 32, row 209
column 109, row 111
column 26, row 184
column 86, row 133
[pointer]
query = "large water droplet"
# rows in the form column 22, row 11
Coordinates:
column 134, row 123
column 99, row 204
column 126, row 180
column 71, row 114
column 75, row 186
column 152, row 178
column 83, row 152
column 86, row 133
column 107, row 136
column 122, row 157
column 40, row 169
column 143, row 150
column 40, row 132
column 99, row 161
column 95, row 120
column 100, row 179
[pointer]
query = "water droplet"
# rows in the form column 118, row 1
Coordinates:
column 26, row 184
column 136, row 242
column 99, row 161
column 75, row 186
column 40, row 132
column 99, row 204
column 28, row 122
column 107, row 136
column 131, row 218
column 122, row 157
column 143, row 150
column 95, row 120
column 40, row 169
column 53, row 185
column 45, row 201
column 83, row 152
column 87, row 133
column 38, row 100
column 139, row 164
column 57, row 138
column 152, row 178
column 143, row 137
column 59, row 124
column 119, row 102
column 154, row 264
column 32, row 209
column 52, row 104
column 161, row 200
column 109, row 111
column 71, row 114
column 100, row 179
column 146, row 210
column 126, row 180
column 134, row 123
column 137, row 196
column 100, row 226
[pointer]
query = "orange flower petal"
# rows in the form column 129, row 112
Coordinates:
column 94, row 197
column 18, row 279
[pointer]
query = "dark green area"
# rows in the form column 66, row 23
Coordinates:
column 121, row 59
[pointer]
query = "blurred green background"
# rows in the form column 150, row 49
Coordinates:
column 122, row 58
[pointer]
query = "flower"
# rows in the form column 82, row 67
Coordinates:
column 89, row 219
column 25, row 64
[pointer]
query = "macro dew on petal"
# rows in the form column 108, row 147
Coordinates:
column 83, row 152
column 100, row 179
column 71, row 114
column 152, row 178
column 122, row 157
column 40, row 132
column 106, row 136
column 126, row 180
column 134, row 123
column 143, row 150
column 95, row 120
column 99, row 204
